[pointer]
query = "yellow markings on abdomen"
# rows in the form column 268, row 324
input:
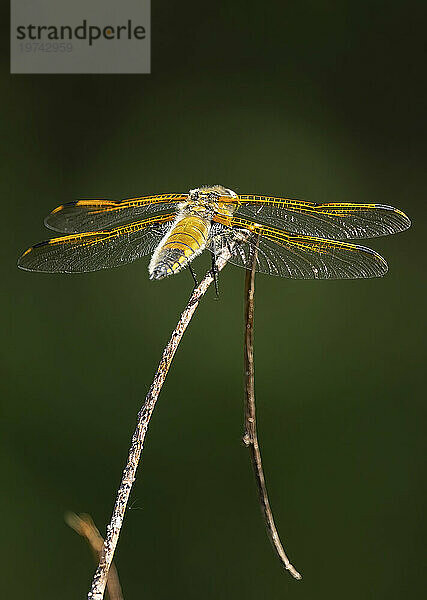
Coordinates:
column 189, row 234
column 185, row 240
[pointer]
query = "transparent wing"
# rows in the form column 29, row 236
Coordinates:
column 337, row 221
column 97, row 250
column 295, row 256
column 94, row 215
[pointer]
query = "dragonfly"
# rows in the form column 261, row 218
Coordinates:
column 293, row 238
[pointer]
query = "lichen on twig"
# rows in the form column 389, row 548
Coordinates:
column 113, row 529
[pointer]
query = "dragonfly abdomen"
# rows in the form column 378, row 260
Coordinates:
column 186, row 239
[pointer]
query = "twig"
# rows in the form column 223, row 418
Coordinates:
column 250, row 437
column 143, row 419
column 84, row 526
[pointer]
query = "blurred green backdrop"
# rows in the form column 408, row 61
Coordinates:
column 318, row 100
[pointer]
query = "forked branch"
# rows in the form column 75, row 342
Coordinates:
column 250, row 437
column 143, row 420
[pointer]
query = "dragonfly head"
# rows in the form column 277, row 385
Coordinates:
column 210, row 198
column 210, row 193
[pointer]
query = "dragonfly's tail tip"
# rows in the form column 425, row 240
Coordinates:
column 159, row 272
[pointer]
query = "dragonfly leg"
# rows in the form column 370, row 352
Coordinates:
column 196, row 283
column 214, row 271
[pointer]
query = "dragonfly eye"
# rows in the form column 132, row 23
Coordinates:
column 194, row 194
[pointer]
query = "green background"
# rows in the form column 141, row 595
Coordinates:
column 323, row 101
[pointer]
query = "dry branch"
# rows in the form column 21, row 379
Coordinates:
column 143, row 419
column 250, row 437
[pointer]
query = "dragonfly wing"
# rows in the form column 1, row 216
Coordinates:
column 94, row 215
column 92, row 251
column 336, row 221
column 295, row 256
